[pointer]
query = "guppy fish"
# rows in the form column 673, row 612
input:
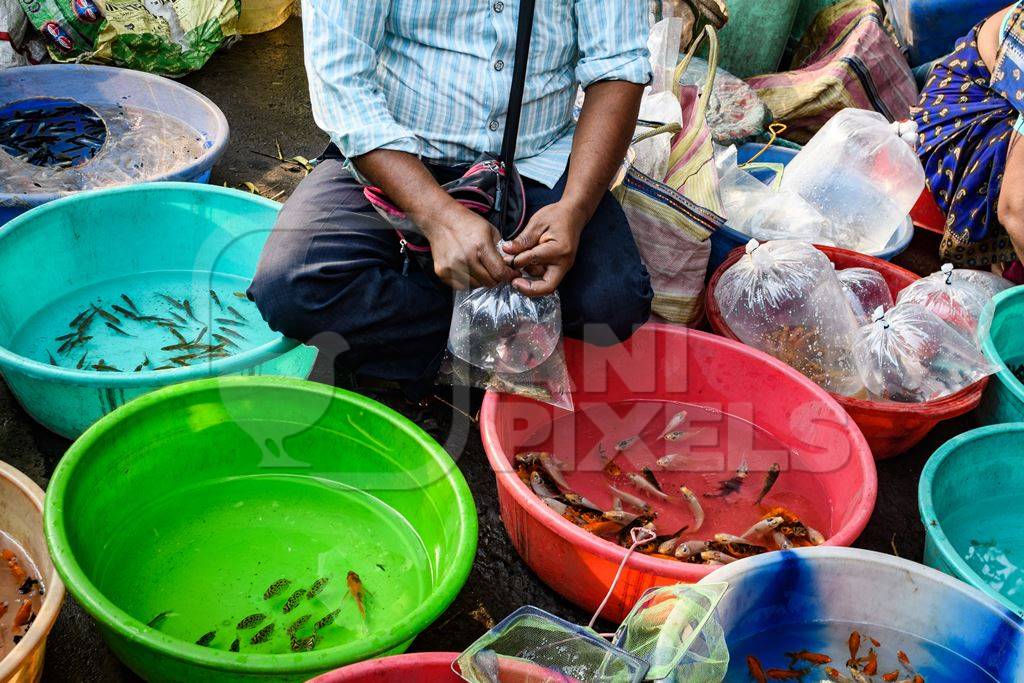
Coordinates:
column 263, row 635
column 251, row 621
column 293, row 600
column 317, row 587
column 355, row 589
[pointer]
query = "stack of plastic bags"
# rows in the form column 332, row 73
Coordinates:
column 841, row 329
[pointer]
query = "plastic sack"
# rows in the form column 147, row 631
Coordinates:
column 736, row 113
column 659, row 104
column 909, row 354
column 860, row 174
column 784, row 298
column 505, row 341
column 675, row 630
column 956, row 295
column 158, row 36
column 532, row 645
column 866, row 290
column 18, row 46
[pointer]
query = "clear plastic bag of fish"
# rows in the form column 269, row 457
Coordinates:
column 866, row 290
column 909, row 354
column 675, row 630
column 784, row 298
column 956, row 295
column 532, row 645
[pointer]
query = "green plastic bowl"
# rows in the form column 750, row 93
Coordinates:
column 969, row 497
column 126, row 239
column 195, row 498
column 1000, row 332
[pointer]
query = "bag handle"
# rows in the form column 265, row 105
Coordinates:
column 673, row 128
column 709, row 83
column 524, row 34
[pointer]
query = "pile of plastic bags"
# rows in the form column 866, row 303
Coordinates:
column 842, row 329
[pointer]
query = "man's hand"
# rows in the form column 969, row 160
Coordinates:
column 465, row 251
column 546, row 249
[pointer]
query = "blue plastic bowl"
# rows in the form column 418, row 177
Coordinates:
column 725, row 239
column 1000, row 334
column 99, row 85
column 119, row 240
column 969, row 497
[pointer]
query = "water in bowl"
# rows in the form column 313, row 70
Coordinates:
column 21, row 593
column 934, row 661
column 991, row 539
column 126, row 344
column 705, row 451
column 199, row 561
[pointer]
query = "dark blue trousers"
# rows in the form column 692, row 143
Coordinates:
column 333, row 269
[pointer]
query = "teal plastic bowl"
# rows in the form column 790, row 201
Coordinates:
column 969, row 497
column 1000, row 332
column 123, row 240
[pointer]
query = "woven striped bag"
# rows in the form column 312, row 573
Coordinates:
column 672, row 218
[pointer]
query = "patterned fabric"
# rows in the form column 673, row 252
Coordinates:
column 432, row 77
column 845, row 59
column 965, row 123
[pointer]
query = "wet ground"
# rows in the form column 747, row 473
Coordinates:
column 261, row 87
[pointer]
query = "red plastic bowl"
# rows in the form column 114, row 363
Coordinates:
column 890, row 428
column 670, row 363
column 419, row 667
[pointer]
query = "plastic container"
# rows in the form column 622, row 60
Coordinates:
column 969, row 502
column 929, row 29
column 299, row 459
column 21, row 516
column 754, row 38
column 890, row 428
column 725, row 239
column 183, row 228
column 1002, row 343
column 665, row 362
column 109, row 85
column 812, row 598
column 419, row 667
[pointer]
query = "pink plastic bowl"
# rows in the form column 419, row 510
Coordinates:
column 419, row 667
column 663, row 362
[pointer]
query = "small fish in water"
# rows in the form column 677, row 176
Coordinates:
column 355, row 589
column 649, row 476
column 188, row 310
column 81, row 361
column 236, row 645
column 540, row 487
column 858, row 677
column 263, row 635
column 688, row 549
column 305, row 644
column 80, row 317
column 603, row 528
column 671, row 461
column 107, row 316
column 224, row 340
column 241, row 295
column 631, row 500
column 553, row 467
column 317, row 587
column 786, row 674
column 172, row 301
column 293, row 600
column 625, row 444
column 227, row 321
column 118, row 330
column 202, row 333
column 216, row 299
column 102, row 366
column 178, row 335
column 755, row 669
column 251, row 621
column 814, row 658
column 769, row 482
column 294, row 627
column 716, row 556
column 125, row 312
column 669, row 545
column 763, row 527
column 680, row 434
column 234, row 311
column 672, row 423
column 642, row 484
column 854, row 644
column 207, row 638
column 620, row 516
column 326, row 620
column 232, row 333
column 579, row 501
column 695, row 507
column 733, row 485
column 781, row 541
column 181, row 319
column 871, row 666
column 556, row 505
column 904, row 661
column 53, row 361
column 159, row 619
column 131, row 304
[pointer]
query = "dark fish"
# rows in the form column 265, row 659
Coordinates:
column 251, row 621
column 224, row 340
column 234, row 311
column 28, row 584
column 181, row 346
column 164, row 367
column 107, row 316
column 68, row 345
column 241, row 295
column 206, row 638
column 317, row 587
column 188, row 310
column 172, row 301
column 326, row 620
column 159, row 619
column 117, row 329
column 179, row 318
column 183, row 360
column 649, row 476
column 125, row 312
column 305, row 644
column 216, row 299
column 131, row 304
column 731, row 485
column 769, row 482
column 231, row 333
column 235, row 645
column 78, row 318
column 263, row 635
column 103, row 367
column 178, row 335
column 81, row 361
column 228, row 321
column 294, row 627
column 65, row 337
column 199, row 336
column 293, row 601
column 53, row 361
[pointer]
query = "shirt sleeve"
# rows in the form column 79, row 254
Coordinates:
column 612, row 41
column 342, row 39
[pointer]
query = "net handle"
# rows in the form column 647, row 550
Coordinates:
column 640, row 536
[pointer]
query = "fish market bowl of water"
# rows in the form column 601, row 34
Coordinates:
column 1002, row 343
column 419, row 667
column 258, row 528
column 815, row 609
column 682, row 408
column 152, row 129
column 891, row 428
column 107, row 295
column 969, row 498
column 29, row 585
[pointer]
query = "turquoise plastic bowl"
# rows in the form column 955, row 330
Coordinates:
column 93, row 237
column 1003, row 344
column 969, row 494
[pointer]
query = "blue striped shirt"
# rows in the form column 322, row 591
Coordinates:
column 432, row 77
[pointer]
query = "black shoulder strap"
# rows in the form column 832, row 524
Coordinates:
column 515, row 98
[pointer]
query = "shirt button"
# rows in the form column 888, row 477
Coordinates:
column 499, row 6
column 499, row 65
column 493, row 125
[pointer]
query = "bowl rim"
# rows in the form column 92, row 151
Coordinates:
column 219, row 133
column 356, row 672
column 933, row 524
column 508, row 480
column 453, row 574
column 53, row 600
column 9, row 360
column 729, row 572
column 988, row 344
column 955, row 404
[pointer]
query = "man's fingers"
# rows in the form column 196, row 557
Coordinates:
column 547, row 284
column 495, row 266
column 545, row 253
column 527, row 238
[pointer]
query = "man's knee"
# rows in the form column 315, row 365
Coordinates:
column 609, row 314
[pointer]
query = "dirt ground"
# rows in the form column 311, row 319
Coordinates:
column 261, row 86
